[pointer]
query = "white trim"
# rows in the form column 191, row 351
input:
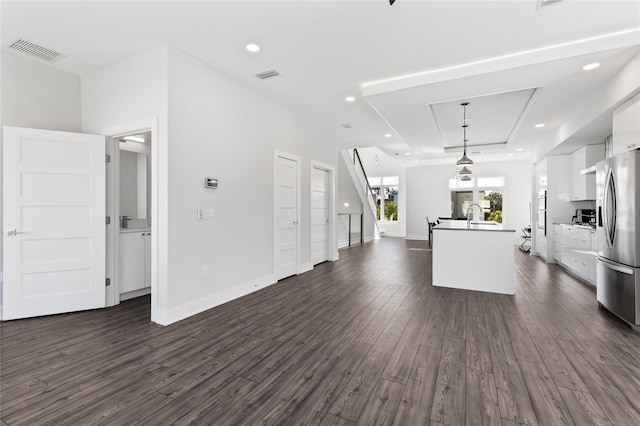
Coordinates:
column 135, row 293
column 333, row 241
column 194, row 307
column 281, row 154
column 158, row 234
column 305, row 267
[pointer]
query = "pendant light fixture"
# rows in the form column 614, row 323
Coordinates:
column 464, row 160
column 464, row 171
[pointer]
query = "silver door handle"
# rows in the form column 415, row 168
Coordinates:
column 614, row 267
column 295, row 222
column 14, row 232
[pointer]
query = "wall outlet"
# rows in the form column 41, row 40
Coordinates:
column 205, row 271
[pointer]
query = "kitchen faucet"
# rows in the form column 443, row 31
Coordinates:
column 470, row 210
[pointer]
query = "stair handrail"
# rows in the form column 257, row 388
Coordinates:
column 366, row 179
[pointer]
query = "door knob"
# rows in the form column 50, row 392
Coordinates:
column 13, row 232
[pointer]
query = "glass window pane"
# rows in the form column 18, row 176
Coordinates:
column 391, row 180
column 374, row 181
column 491, row 202
column 460, row 201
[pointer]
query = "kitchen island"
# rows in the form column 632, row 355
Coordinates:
column 477, row 258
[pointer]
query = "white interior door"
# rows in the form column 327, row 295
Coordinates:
column 54, row 222
column 319, row 215
column 286, row 209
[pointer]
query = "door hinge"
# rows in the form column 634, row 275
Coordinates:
column 108, row 220
column 107, row 282
column 108, row 158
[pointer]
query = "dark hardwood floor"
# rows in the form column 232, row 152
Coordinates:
column 365, row 340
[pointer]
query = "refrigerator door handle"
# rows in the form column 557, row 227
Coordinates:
column 609, row 209
column 617, row 268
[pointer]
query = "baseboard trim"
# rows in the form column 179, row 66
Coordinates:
column 186, row 310
column 135, row 293
column 417, row 237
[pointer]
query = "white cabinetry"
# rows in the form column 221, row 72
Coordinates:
column 134, row 261
column 583, row 186
column 626, row 126
column 574, row 248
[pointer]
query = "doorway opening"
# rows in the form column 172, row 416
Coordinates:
column 131, row 260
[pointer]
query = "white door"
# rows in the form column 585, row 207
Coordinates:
column 286, row 209
column 319, row 215
column 54, row 222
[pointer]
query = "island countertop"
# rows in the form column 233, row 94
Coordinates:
column 461, row 225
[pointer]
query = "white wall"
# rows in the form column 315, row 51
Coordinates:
column 387, row 166
column 346, row 191
column 220, row 128
column 126, row 93
column 39, row 96
column 428, row 193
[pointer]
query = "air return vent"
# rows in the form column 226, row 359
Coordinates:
column 267, row 74
column 35, row 51
column 547, row 2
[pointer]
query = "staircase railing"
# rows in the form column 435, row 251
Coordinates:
column 351, row 230
column 367, row 187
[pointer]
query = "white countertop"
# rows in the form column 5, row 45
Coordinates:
column 129, row 230
column 461, row 225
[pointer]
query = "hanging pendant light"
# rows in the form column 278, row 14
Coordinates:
column 464, row 171
column 465, row 178
column 464, row 160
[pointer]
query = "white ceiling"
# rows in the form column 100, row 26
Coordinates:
column 398, row 61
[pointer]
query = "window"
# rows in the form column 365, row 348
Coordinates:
column 385, row 191
column 485, row 191
column 491, row 202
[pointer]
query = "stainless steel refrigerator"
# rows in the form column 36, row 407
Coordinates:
column 618, row 235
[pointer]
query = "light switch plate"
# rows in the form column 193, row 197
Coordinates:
column 204, row 214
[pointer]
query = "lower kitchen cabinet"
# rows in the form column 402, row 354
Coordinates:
column 134, row 261
column 575, row 250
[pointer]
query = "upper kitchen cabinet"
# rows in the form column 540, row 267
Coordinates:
column 626, row 126
column 583, row 185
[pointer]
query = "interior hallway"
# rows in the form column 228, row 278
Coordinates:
column 365, row 340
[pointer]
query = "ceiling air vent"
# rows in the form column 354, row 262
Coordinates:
column 542, row 3
column 347, row 126
column 267, row 74
column 35, row 51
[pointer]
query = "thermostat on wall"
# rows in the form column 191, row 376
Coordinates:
column 210, row 183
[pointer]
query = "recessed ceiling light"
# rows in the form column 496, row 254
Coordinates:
column 407, row 153
column 349, row 99
column 591, row 66
column 519, row 149
column 539, row 125
column 346, row 204
column 416, row 161
column 510, row 155
column 253, row 48
column 387, row 135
